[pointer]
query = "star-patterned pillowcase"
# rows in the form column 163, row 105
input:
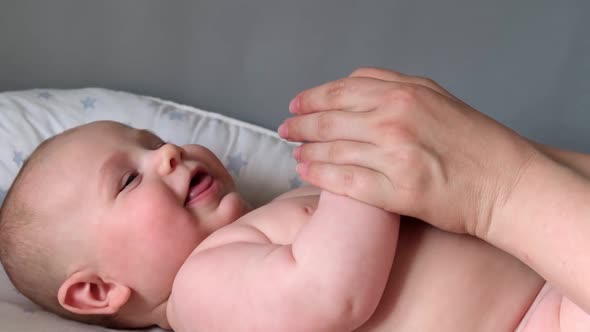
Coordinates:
column 257, row 158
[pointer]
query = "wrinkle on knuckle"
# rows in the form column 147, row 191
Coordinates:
column 325, row 124
column 337, row 88
column 334, row 151
column 347, row 178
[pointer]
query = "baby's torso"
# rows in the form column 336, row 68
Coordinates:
column 552, row 312
column 282, row 219
column 439, row 281
column 449, row 282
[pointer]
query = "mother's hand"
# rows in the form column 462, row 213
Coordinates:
column 405, row 144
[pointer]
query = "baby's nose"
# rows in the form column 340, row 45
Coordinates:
column 170, row 155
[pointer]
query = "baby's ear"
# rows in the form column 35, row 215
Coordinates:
column 86, row 293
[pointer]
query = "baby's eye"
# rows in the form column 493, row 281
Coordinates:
column 129, row 179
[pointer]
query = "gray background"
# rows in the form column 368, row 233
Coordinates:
column 525, row 63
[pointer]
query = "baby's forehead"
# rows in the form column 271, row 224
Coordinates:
column 67, row 160
column 105, row 133
column 81, row 146
column 105, row 127
column 114, row 129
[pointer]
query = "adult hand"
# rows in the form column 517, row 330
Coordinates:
column 406, row 144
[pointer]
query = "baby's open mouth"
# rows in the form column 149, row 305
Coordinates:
column 198, row 185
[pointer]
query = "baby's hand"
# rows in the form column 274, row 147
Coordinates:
column 405, row 144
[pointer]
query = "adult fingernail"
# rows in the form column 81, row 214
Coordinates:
column 283, row 130
column 294, row 105
column 297, row 153
column 302, row 169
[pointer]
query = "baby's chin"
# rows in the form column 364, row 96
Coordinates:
column 233, row 206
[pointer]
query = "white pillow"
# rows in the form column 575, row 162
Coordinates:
column 257, row 158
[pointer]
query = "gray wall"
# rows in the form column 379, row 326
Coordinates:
column 525, row 63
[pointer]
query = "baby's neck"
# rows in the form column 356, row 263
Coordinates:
column 158, row 316
column 169, row 323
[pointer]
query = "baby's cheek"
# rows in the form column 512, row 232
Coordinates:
column 161, row 220
column 154, row 205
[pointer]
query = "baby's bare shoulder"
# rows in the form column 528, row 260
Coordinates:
column 205, row 288
column 306, row 190
column 553, row 312
column 236, row 232
column 274, row 223
column 225, row 284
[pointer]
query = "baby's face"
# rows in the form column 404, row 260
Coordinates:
column 147, row 204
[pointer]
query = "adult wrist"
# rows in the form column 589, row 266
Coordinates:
column 516, row 204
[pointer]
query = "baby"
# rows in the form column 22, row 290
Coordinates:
column 109, row 225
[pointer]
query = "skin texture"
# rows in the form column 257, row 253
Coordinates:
column 126, row 192
column 305, row 262
column 405, row 144
column 394, row 140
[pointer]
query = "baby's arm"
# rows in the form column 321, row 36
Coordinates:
column 330, row 279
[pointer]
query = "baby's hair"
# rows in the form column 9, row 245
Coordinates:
column 26, row 252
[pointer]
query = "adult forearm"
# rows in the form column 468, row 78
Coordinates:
column 577, row 161
column 546, row 224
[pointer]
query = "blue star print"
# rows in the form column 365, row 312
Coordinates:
column 175, row 115
column 235, row 163
column 88, row 103
column 18, row 158
column 44, row 95
column 295, row 182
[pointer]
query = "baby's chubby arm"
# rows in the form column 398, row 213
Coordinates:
column 330, row 278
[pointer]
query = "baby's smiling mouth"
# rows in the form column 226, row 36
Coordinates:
column 199, row 184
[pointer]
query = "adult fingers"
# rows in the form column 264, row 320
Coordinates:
column 394, row 76
column 327, row 126
column 348, row 94
column 361, row 183
column 341, row 152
